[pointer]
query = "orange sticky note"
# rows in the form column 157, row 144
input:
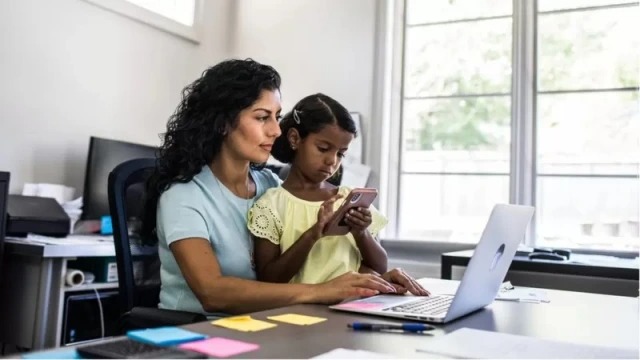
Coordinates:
column 243, row 323
column 297, row 319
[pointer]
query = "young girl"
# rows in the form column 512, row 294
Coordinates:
column 288, row 222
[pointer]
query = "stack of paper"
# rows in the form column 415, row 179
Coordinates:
column 69, row 240
column 476, row 344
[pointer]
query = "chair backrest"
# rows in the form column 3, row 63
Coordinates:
column 4, row 191
column 129, row 175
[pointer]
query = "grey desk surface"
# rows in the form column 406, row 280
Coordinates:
column 592, row 319
column 572, row 317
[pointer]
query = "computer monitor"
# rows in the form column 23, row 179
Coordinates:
column 4, row 190
column 104, row 156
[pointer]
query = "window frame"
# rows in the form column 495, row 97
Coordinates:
column 191, row 33
column 523, row 175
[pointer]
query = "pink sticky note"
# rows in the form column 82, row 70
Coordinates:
column 360, row 306
column 220, row 347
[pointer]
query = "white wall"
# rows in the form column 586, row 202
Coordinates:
column 69, row 70
column 317, row 46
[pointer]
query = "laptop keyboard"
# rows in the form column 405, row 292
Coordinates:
column 435, row 305
column 129, row 349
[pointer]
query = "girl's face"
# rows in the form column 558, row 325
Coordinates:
column 319, row 155
column 257, row 129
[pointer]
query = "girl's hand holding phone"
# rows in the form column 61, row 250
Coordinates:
column 324, row 215
column 357, row 206
column 358, row 220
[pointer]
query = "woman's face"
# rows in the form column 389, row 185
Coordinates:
column 257, row 129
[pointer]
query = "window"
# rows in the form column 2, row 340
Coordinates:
column 179, row 17
column 462, row 60
column 181, row 11
column 588, row 124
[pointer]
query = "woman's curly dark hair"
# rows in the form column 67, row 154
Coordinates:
column 207, row 112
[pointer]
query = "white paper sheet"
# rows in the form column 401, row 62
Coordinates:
column 472, row 343
column 70, row 239
column 341, row 353
column 524, row 295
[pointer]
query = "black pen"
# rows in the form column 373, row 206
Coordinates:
column 381, row 327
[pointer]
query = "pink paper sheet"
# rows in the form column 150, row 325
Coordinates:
column 220, row 347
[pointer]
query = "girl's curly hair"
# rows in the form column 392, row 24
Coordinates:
column 207, row 112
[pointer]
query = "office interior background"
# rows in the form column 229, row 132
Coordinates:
column 464, row 103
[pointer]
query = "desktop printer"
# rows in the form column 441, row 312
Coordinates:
column 38, row 215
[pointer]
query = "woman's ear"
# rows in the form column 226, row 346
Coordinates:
column 220, row 125
column 293, row 137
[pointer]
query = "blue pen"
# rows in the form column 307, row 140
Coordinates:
column 362, row 326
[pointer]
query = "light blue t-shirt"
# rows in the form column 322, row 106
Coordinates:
column 205, row 208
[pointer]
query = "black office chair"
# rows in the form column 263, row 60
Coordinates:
column 139, row 298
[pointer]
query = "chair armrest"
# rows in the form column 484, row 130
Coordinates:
column 146, row 317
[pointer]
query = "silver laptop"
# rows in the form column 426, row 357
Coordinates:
column 480, row 283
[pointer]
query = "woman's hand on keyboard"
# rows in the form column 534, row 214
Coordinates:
column 403, row 282
column 349, row 285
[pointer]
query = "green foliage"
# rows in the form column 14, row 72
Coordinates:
column 473, row 123
column 483, row 122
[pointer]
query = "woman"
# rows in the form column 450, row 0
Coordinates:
column 203, row 187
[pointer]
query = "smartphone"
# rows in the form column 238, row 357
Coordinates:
column 358, row 197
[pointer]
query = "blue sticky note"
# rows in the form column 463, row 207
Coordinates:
column 106, row 226
column 164, row 336
column 53, row 354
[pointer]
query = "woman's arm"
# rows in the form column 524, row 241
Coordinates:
column 217, row 293
column 272, row 266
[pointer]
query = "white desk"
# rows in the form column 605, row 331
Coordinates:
column 33, row 288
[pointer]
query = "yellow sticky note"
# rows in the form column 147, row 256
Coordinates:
column 243, row 323
column 297, row 319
